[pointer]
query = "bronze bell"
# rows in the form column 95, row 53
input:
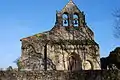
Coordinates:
column 76, row 22
column 65, row 21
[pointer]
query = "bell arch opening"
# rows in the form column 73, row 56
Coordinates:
column 65, row 19
column 75, row 20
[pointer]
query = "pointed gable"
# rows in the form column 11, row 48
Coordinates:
column 70, row 7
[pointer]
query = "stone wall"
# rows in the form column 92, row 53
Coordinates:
column 60, row 75
column 55, row 49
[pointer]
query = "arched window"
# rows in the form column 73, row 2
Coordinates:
column 65, row 19
column 75, row 20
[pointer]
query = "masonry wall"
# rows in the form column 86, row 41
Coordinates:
column 60, row 75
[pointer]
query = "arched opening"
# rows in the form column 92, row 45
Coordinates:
column 65, row 19
column 75, row 20
column 74, row 62
column 87, row 65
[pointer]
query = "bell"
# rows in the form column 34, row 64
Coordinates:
column 65, row 22
column 76, row 22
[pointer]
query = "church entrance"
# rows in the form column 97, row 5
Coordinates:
column 74, row 62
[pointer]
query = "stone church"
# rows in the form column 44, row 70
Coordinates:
column 69, row 45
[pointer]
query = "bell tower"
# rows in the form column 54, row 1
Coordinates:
column 70, row 16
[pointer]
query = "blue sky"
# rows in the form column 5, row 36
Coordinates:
column 22, row 18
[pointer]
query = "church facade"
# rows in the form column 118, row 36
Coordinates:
column 69, row 45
